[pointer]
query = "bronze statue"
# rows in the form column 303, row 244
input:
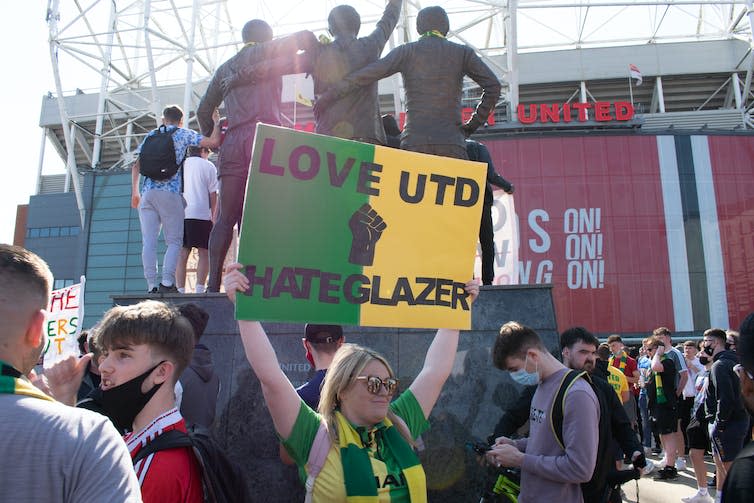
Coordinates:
column 433, row 69
column 245, row 106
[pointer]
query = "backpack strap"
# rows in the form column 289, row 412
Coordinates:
column 317, row 456
column 171, row 439
column 558, row 403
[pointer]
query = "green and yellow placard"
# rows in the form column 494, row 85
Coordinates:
column 337, row 231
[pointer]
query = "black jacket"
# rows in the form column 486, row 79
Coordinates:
column 201, row 385
column 619, row 429
column 723, row 402
column 739, row 484
column 620, row 424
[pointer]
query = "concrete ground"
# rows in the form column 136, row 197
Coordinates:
column 661, row 491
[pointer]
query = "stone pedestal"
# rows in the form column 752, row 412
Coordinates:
column 470, row 405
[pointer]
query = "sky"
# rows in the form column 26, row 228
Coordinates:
column 25, row 53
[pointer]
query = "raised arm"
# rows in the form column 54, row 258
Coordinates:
column 439, row 361
column 213, row 140
column 281, row 398
column 386, row 24
column 209, row 104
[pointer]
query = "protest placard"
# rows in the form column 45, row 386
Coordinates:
column 63, row 324
column 337, row 231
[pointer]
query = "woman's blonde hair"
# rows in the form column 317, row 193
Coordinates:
column 347, row 364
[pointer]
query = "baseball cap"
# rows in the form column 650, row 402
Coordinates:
column 323, row 333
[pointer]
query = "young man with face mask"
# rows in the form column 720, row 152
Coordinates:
column 681, row 377
column 723, row 405
column 663, row 406
column 548, row 471
column 147, row 346
column 739, row 484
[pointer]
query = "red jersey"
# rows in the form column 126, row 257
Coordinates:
column 629, row 368
column 171, row 475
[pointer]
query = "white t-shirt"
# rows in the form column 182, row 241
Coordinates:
column 694, row 368
column 199, row 181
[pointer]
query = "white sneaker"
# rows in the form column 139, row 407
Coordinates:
column 680, row 463
column 698, row 498
column 649, row 468
column 662, row 463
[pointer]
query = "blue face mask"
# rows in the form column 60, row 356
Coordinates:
column 525, row 378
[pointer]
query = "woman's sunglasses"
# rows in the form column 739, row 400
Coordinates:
column 374, row 384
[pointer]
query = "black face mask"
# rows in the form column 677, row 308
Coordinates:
column 124, row 402
column 708, row 350
column 703, row 359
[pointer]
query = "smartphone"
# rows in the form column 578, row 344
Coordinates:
column 478, row 447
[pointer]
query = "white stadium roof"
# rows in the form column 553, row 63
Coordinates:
column 117, row 64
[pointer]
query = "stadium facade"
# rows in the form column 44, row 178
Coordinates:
column 632, row 200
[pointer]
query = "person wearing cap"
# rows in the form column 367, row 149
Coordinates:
column 200, row 192
column 321, row 342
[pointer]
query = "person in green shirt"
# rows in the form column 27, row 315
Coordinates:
column 370, row 456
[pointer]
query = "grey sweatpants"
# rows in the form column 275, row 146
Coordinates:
column 160, row 208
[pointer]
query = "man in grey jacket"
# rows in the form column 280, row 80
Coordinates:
column 433, row 69
column 550, row 471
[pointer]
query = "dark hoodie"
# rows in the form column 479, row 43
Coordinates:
column 723, row 402
column 200, row 389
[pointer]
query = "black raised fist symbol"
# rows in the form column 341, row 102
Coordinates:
column 366, row 226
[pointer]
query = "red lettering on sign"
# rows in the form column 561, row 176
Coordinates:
column 556, row 112
column 624, row 111
column 602, row 111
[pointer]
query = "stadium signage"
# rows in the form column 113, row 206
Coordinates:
column 600, row 111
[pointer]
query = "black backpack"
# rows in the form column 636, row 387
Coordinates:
column 157, row 157
column 222, row 480
column 598, row 482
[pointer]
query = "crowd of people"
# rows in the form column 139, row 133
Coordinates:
column 350, row 432
column 693, row 399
